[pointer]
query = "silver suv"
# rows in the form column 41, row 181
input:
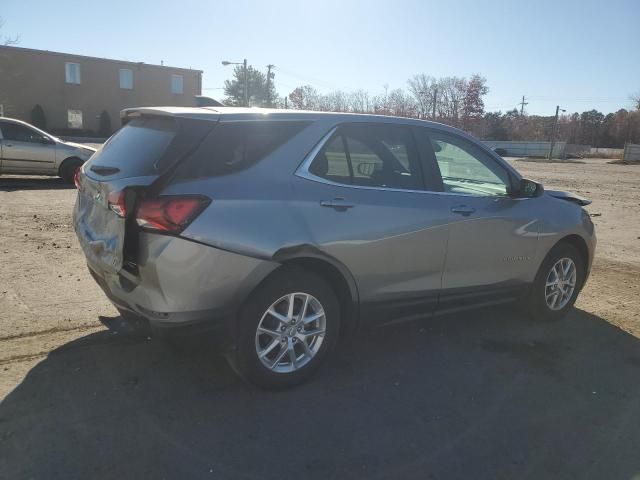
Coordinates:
column 27, row 150
column 287, row 230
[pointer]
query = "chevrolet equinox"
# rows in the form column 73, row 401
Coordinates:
column 285, row 230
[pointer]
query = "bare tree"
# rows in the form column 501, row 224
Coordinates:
column 359, row 101
column 337, row 101
column 305, row 98
column 4, row 39
column 401, row 104
column 451, row 91
column 423, row 88
column 636, row 100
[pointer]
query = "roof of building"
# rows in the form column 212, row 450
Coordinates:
column 74, row 55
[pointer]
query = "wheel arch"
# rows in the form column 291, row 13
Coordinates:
column 331, row 270
column 67, row 161
column 579, row 244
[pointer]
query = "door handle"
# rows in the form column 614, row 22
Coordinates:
column 339, row 204
column 8, row 144
column 463, row 210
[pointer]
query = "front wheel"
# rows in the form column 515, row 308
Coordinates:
column 557, row 284
column 286, row 330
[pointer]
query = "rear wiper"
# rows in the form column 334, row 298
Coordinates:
column 104, row 170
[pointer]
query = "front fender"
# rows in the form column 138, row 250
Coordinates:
column 561, row 219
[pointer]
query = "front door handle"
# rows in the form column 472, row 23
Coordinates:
column 463, row 210
column 339, row 204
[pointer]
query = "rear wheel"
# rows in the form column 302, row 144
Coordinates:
column 69, row 168
column 286, row 330
column 557, row 283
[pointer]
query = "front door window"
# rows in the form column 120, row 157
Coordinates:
column 466, row 169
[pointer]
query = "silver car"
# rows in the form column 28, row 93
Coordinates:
column 25, row 149
column 287, row 230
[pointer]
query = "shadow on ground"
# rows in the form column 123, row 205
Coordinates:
column 9, row 184
column 482, row 396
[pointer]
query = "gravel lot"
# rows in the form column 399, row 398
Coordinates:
column 477, row 395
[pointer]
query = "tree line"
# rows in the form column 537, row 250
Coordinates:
column 455, row 101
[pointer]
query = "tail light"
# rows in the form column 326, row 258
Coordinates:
column 76, row 179
column 117, row 203
column 170, row 214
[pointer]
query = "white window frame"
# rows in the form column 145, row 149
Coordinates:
column 175, row 77
column 128, row 78
column 70, row 71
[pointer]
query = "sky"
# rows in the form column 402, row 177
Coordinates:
column 579, row 54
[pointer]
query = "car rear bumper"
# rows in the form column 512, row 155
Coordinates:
column 181, row 283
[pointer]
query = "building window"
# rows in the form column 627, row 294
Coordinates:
column 126, row 78
column 74, row 119
column 72, row 73
column 177, row 84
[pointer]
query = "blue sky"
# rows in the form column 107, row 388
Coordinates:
column 581, row 54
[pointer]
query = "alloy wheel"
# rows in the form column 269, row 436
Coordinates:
column 290, row 332
column 560, row 284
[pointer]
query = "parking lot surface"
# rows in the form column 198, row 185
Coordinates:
column 487, row 394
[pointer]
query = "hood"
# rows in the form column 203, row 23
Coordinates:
column 568, row 196
column 79, row 145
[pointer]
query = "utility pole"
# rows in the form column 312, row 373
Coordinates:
column 246, row 84
column 522, row 104
column 269, row 67
column 553, row 132
column 435, row 100
column 286, row 103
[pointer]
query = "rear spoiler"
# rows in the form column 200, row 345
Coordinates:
column 199, row 113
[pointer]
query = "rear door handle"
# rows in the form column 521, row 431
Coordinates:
column 463, row 210
column 339, row 204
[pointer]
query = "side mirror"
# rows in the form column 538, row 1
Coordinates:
column 528, row 189
column 46, row 141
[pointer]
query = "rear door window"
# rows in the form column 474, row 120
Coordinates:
column 383, row 156
column 232, row 147
column 332, row 162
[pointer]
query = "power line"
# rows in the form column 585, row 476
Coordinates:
column 311, row 80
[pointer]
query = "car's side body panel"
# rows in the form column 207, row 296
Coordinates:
column 404, row 252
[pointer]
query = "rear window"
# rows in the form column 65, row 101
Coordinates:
column 137, row 148
column 232, row 147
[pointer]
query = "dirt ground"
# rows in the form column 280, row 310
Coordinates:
column 510, row 397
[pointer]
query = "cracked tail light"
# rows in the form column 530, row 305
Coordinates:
column 170, row 214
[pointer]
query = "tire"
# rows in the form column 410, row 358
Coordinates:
column 559, row 303
column 68, row 169
column 286, row 331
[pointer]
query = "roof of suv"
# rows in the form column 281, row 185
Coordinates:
column 255, row 113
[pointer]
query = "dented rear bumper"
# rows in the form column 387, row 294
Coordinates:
column 180, row 282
